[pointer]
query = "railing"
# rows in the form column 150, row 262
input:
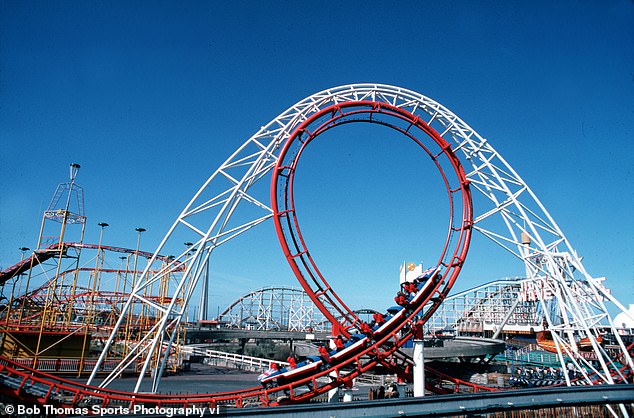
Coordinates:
column 531, row 355
column 257, row 364
column 232, row 360
column 59, row 365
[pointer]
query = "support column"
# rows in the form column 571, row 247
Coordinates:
column 419, row 369
column 419, row 359
column 333, row 394
column 347, row 395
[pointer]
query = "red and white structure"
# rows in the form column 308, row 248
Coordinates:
column 485, row 194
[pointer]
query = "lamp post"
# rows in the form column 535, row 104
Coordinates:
column 136, row 258
column 123, row 271
column 100, row 255
column 103, row 226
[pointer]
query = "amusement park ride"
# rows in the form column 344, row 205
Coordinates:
column 58, row 310
column 134, row 323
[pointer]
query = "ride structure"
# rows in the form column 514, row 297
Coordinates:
column 526, row 229
column 274, row 308
column 62, row 300
column 573, row 301
column 485, row 195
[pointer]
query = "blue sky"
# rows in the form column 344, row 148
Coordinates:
column 150, row 97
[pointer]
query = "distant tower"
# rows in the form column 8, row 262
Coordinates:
column 66, row 208
column 38, row 327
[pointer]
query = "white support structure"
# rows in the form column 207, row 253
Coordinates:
column 274, row 308
column 482, row 310
column 419, row 368
column 233, row 200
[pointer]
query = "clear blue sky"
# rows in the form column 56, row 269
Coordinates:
column 150, row 97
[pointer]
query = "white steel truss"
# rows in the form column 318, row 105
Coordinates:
column 506, row 211
column 274, row 308
column 484, row 309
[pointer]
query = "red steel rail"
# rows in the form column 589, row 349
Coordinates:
column 381, row 346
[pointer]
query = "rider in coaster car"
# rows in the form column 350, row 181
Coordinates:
column 400, row 299
column 339, row 344
column 323, row 353
column 365, row 329
column 410, row 289
column 292, row 362
column 272, row 371
column 378, row 318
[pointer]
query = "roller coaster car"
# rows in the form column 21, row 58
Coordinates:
column 397, row 315
column 281, row 377
column 422, row 291
column 312, row 364
column 429, row 274
column 353, row 346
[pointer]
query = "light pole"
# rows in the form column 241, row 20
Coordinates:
column 136, row 253
column 103, row 226
column 100, row 255
column 188, row 245
column 123, row 272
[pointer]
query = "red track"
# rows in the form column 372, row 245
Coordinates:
column 380, row 347
column 38, row 257
column 42, row 255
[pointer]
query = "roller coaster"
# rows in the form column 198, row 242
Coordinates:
column 274, row 308
column 59, row 313
column 485, row 196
